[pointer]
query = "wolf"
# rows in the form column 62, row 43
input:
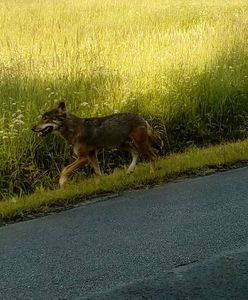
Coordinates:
column 126, row 131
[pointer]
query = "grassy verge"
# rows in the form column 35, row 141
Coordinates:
column 174, row 165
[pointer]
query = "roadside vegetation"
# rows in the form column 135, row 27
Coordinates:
column 193, row 162
column 183, row 65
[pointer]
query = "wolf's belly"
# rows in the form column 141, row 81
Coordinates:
column 109, row 139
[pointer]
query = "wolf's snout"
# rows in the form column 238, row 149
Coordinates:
column 33, row 128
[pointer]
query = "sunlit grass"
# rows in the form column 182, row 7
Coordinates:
column 181, row 64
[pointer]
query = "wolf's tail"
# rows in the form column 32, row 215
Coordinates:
column 155, row 136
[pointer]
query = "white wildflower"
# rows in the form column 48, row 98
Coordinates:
column 84, row 104
column 19, row 122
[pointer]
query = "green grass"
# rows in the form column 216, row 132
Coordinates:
column 190, row 162
column 181, row 64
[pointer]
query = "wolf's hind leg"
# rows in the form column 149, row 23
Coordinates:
column 132, row 166
column 141, row 140
column 147, row 150
column 66, row 172
column 135, row 155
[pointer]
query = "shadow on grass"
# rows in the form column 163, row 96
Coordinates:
column 201, row 109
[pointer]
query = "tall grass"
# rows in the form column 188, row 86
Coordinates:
column 181, row 64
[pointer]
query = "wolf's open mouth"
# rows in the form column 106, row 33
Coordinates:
column 45, row 131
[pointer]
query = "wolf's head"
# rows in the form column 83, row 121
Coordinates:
column 51, row 120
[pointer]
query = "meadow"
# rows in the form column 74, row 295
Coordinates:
column 183, row 65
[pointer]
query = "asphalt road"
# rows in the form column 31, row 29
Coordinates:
column 183, row 240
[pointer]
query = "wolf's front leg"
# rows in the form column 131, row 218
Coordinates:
column 81, row 161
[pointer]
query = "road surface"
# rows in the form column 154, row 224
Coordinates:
column 184, row 240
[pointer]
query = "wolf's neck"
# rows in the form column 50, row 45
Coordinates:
column 70, row 128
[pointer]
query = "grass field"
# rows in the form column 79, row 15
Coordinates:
column 181, row 64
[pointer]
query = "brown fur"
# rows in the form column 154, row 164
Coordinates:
column 88, row 135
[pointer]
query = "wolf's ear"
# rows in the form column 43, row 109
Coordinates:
column 61, row 107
